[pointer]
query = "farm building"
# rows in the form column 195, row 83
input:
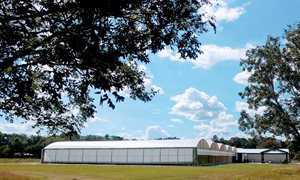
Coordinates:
column 263, row 155
column 180, row 152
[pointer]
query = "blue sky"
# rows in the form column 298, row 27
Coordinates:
column 198, row 98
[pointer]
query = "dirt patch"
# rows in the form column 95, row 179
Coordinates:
column 53, row 176
column 7, row 175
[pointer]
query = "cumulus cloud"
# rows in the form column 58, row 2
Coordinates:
column 220, row 126
column 207, row 110
column 242, row 77
column 18, row 128
column 155, row 132
column 196, row 105
column 94, row 120
column 176, row 121
column 222, row 12
column 212, row 54
column 239, row 106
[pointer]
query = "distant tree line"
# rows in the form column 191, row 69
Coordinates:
column 253, row 142
column 259, row 142
column 21, row 145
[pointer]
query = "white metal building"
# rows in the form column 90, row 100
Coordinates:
column 182, row 152
column 263, row 155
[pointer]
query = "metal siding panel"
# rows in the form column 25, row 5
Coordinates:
column 49, row 155
column 155, row 158
column 254, row 157
column 139, row 152
column 147, row 159
column 189, row 151
column 76, row 156
column 104, row 156
column 147, row 152
column 172, row 159
column 173, row 152
column 181, row 152
column 119, row 156
column 62, row 156
column 188, row 158
column 139, row 158
column 89, row 156
column 155, row 152
column 135, row 156
column 164, row 152
column 276, row 158
column 114, row 156
column 181, row 159
column 164, row 159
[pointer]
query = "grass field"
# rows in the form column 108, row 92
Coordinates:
column 34, row 170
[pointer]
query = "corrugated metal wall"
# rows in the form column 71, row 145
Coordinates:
column 120, row 156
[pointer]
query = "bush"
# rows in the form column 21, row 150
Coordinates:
column 297, row 155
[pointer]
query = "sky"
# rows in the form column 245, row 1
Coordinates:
column 198, row 98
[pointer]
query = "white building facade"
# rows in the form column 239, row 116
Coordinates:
column 263, row 155
column 180, row 152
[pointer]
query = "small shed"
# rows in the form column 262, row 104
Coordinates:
column 272, row 155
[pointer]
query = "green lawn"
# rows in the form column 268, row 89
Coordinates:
column 76, row 172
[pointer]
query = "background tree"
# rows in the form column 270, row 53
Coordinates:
column 17, row 145
column 269, row 143
column 274, row 86
column 20, row 145
column 54, row 52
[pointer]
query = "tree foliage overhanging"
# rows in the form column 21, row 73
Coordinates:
column 274, row 87
column 54, row 52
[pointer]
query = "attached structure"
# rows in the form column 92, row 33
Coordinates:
column 180, row 152
column 263, row 155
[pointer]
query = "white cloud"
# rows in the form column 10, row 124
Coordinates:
column 239, row 106
column 242, row 77
column 155, row 132
column 148, row 81
column 94, row 120
column 220, row 126
column 176, row 121
column 127, row 135
column 242, row 135
column 196, row 105
column 18, row 128
column 212, row 54
column 222, row 12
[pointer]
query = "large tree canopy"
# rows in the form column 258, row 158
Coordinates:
column 274, row 86
column 54, row 52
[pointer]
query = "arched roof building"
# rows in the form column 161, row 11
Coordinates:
column 135, row 152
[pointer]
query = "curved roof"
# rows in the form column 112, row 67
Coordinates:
column 124, row 144
column 203, row 144
column 214, row 146
column 222, row 147
column 229, row 148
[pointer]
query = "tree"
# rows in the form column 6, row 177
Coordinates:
column 269, row 143
column 55, row 53
column 274, row 87
column 17, row 145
